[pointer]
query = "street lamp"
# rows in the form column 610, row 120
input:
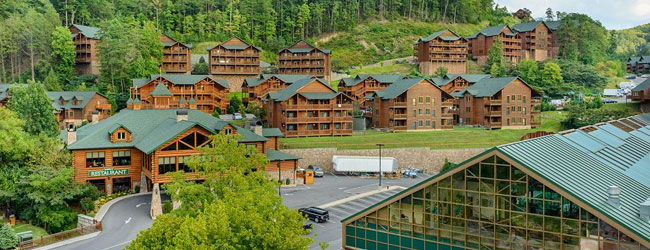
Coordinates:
column 279, row 179
column 380, row 145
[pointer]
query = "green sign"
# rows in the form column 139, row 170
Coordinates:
column 108, row 172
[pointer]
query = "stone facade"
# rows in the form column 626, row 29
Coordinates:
column 235, row 81
column 429, row 160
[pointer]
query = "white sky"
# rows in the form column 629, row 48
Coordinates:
column 613, row 14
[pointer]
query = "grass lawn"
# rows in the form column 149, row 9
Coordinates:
column 22, row 227
column 459, row 137
column 622, row 106
column 386, row 69
column 612, row 82
column 201, row 48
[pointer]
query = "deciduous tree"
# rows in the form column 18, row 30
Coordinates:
column 63, row 53
column 32, row 105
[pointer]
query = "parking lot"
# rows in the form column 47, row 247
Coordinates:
column 333, row 188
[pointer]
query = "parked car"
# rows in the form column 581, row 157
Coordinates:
column 238, row 116
column 606, row 101
column 316, row 214
column 318, row 171
column 308, row 226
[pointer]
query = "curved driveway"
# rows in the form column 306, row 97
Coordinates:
column 121, row 224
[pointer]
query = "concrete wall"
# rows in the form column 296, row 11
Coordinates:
column 423, row 158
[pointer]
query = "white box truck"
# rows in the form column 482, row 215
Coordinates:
column 363, row 164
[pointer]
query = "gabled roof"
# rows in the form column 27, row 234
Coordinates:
column 471, row 78
column 527, row 27
column 292, row 89
column 581, row 164
column 234, row 47
column 179, row 80
column 160, row 90
column 275, row 155
column 169, row 44
column 272, row 132
column 150, row 129
column 437, row 34
column 553, row 25
column 83, row 96
column 88, row 31
column 289, row 79
column 487, row 87
column 402, row 86
column 642, row 86
column 382, row 78
column 305, row 50
column 491, row 31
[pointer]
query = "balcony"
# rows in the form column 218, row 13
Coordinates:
column 399, row 116
column 399, row 128
column 494, row 124
column 342, row 118
column 494, row 102
column 103, row 106
column 447, row 115
column 493, row 113
column 316, row 106
column 395, row 104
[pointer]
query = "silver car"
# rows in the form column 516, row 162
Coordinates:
column 318, row 171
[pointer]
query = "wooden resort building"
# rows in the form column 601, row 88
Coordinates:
column 445, row 49
column 234, row 60
column 176, row 56
column 303, row 58
column 504, row 102
column 453, row 84
column 207, row 92
column 641, row 92
column 309, row 107
column 481, row 42
column 139, row 147
column 85, row 41
column 363, row 85
column 553, row 26
column 253, row 89
column 412, row 104
column 586, row 188
column 536, row 42
column 638, row 64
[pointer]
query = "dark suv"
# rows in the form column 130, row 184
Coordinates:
column 316, row 214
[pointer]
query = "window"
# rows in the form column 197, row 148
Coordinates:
column 468, row 98
column 166, row 164
column 467, row 109
column 433, row 113
column 415, row 113
column 524, row 98
column 507, row 110
column 524, row 110
column 428, row 111
column 95, row 159
column 182, row 165
column 420, row 123
column 428, row 123
column 433, row 124
column 415, row 125
column 518, row 108
column 420, row 111
column 414, row 103
column 519, row 97
column 420, row 99
column 467, row 120
column 121, row 158
column 428, row 99
column 507, row 99
column 227, row 131
column 337, row 126
column 433, row 101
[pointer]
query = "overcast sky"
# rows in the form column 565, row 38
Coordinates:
column 613, row 14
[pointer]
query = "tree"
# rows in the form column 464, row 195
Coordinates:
column 32, row 105
column 217, row 112
column 528, row 71
column 551, row 75
column 582, row 39
column 235, row 104
column 495, row 54
column 441, row 72
column 51, row 82
column 236, row 207
column 447, row 165
column 549, row 14
column 8, row 238
column 201, row 68
column 63, row 54
column 498, row 70
column 256, row 109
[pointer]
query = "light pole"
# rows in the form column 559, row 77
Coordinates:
column 380, row 145
column 279, row 179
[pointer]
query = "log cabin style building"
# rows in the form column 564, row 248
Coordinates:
column 253, row 89
column 303, row 58
column 72, row 108
column 176, row 56
column 536, row 42
column 641, row 92
column 137, row 147
column 578, row 189
column 445, row 49
column 638, row 64
column 207, row 92
column 481, row 42
column 363, row 85
column 499, row 103
column 234, row 60
column 309, row 107
column 412, row 104
column 453, row 84
column 85, row 40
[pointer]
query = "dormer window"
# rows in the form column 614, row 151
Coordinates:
column 227, row 131
column 121, row 135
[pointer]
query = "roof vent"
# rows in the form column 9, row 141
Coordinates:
column 181, row 115
column 614, row 197
column 644, row 211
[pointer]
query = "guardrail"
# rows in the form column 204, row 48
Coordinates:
column 60, row 236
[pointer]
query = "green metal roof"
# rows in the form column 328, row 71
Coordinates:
column 471, row 78
column 292, row 89
column 553, row 25
column 160, row 90
column 401, row 86
column 272, row 132
column 300, row 50
column 642, row 86
column 68, row 96
column 382, row 78
column 235, row 47
column 88, row 31
column 527, row 27
column 275, row 155
column 584, row 165
column 490, row 31
column 318, row 96
column 305, row 50
column 150, row 129
column 487, row 87
column 192, row 101
column 252, row 82
column 179, row 80
column 438, row 33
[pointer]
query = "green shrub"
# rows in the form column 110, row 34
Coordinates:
column 167, row 207
column 8, row 238
column 87, row 204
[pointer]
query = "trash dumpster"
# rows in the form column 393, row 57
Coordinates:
column 309, row 177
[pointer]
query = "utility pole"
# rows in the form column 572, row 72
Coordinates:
column 380, row 145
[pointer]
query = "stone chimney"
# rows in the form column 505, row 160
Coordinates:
column 181, row 115
column 614, row 196
column 258, row 130
column 644, row 211
column 72, row 136
column 95, row 117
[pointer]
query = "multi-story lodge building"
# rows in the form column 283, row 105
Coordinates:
column 305, row 59
column 85, row 40
column 638, row 64
column 253, row 89
column 412, row 104
column 176, row 56
column 138, row 147
column 453, row 84
column 504, row 102
column 481, row 42
column 207, row 92
column 309, row 107
column 578, row 189
column 445, row 49
column 553, row 26
column 641, row 92
column 362, row 86
column 234, row 60
column 536, row 40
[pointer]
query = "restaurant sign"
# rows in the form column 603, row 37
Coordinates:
column 108, row 172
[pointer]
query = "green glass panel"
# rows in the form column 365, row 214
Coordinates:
column 535, row 222
column 517, row 175
column 487, row 185
column 473, row 170
column 473, row 184
column 535, row 188
column 502, row 232
column 473, row 213
column 382, row 237
column 535, row 238
column 503, row 217
column 445, row 183
column 487, row 200
column 518, row 204
column 406, row 241
column 393, row 239
column 488, row 160
column 503, row 202
column 487, row 171
column 458, row 180
column 552, row 241
column 518, row 219
column 487, row 231
column 349, row 230
column 570, row 243
column 371, row 235
column 503, row 187
column 459, row 197
column 535, row 206
column 349, row 241
column 381, row 246
column 419, row 194
column 445, row 194
column 551, row 195
column 552, row 224
column 570, row 209
column 361, row 244
column 570, row 227
column 552, row 208
column 418, row 244
column 473, row 198
column 503, row 172
column 361, row 233
column 518, row 189
column 394, row 248
column 371, row 245
column 430, row 245
column 458, row 239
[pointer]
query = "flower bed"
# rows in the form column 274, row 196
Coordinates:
column 106, row 198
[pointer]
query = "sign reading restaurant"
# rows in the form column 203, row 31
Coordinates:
column 108, row 172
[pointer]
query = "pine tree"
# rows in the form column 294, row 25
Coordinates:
column 495, row 54
column 51, row 82
column 8, row 238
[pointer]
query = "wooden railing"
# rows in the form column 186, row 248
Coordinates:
column 316, row 106
column 395, row 104
column 103, row 106
column 493, row 102
column 399, row 116
column 494, row 113
column 61, row 236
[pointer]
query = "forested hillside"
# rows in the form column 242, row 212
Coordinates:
column 633, row 41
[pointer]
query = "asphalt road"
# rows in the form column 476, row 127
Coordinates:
column 121, row 224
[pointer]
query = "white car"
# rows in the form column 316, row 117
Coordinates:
column 237, row 116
